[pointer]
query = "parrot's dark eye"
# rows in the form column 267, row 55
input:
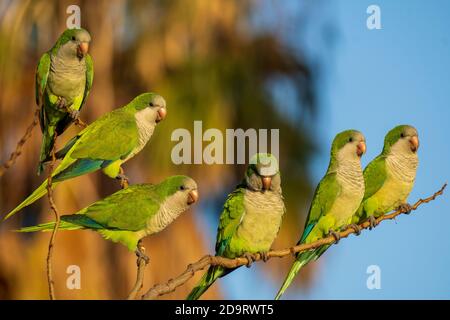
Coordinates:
column 350, row 139
column 151, row 104
column 73, row 38
column 402, row 135
column 182, row 188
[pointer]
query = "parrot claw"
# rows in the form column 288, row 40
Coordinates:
column 250, row 258
column 124, row 181
column 264, row 256
column 61, row 104
column 140, row 253
column 74, row 114
column 335, row 235
column 355, row 227
column 405, row 207
column 373, row 222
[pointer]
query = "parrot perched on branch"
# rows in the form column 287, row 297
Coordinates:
column 335, row 201
column 389, row 178
column 133, row 213
column 64, row 78
column 250, row 220
column 106, row 143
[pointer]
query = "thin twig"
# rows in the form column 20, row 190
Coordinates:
column 17, row 152
column 50, row 281
column 172, row 284
column 141, row 264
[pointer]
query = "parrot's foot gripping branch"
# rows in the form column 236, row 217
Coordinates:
column 142, row 261
column 264, row 256
column 335, row 235
column 62, row 104
column 353, row 226
column 140, row 253
column 250, row 259
column 406, row 208
column 162, row 289
column 373, row 222
column 124, row 180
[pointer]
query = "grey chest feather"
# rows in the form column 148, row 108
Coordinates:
column 262, row 219
column 67, row 77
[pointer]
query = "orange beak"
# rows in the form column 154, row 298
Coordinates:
column 361, row 148
column 83, row 49
column 162, row 113
column 266, row 182
column 414, row 141
column 192, row 197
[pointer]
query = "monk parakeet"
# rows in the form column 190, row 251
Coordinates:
column 250, row 219
column 389, row 178
column 64, row 78
column 133, row 213
column 336, row 199
column 106, row 143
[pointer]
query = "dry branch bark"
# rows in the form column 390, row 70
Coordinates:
column 16, row 153
column 208, row 260
column 51, row 284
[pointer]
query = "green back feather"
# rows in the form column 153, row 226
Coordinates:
column 230, row 218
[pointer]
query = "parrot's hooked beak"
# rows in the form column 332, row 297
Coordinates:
column 266, row 182
column 361, row 148
column 162, row 113
column 82, row 49
column 192, row 197
column 414, row 143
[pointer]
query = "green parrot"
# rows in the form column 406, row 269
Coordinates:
column 106, row 143
column 133, row 213
column 250, row 220
column 335, row 201
column 64, row 78
column 389, row 178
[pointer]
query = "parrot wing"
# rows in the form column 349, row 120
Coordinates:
column 230, row 218
column 374, row 176
column 89, row 78
column 128, row 209
column 112, row 137
column 42, row 71
column 326, row 193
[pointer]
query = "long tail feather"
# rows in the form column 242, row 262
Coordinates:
column 206, row 281
column 49, row 227
column 46, row 147
column 300, row 262
column 302, row 259
column 36, row 195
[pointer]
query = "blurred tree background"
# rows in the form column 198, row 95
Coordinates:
column 213, row 62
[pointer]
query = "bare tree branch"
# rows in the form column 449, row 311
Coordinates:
column 16, row 153
column 208, row 260
column 51, row 288
column 141, row 264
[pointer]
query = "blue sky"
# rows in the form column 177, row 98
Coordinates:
column 375, row 80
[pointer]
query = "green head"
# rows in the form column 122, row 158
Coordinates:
column 73, row 43
column 150, row 105
column 181, row 190
column 347, row 145
column 403, row 138
column 263, row 173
